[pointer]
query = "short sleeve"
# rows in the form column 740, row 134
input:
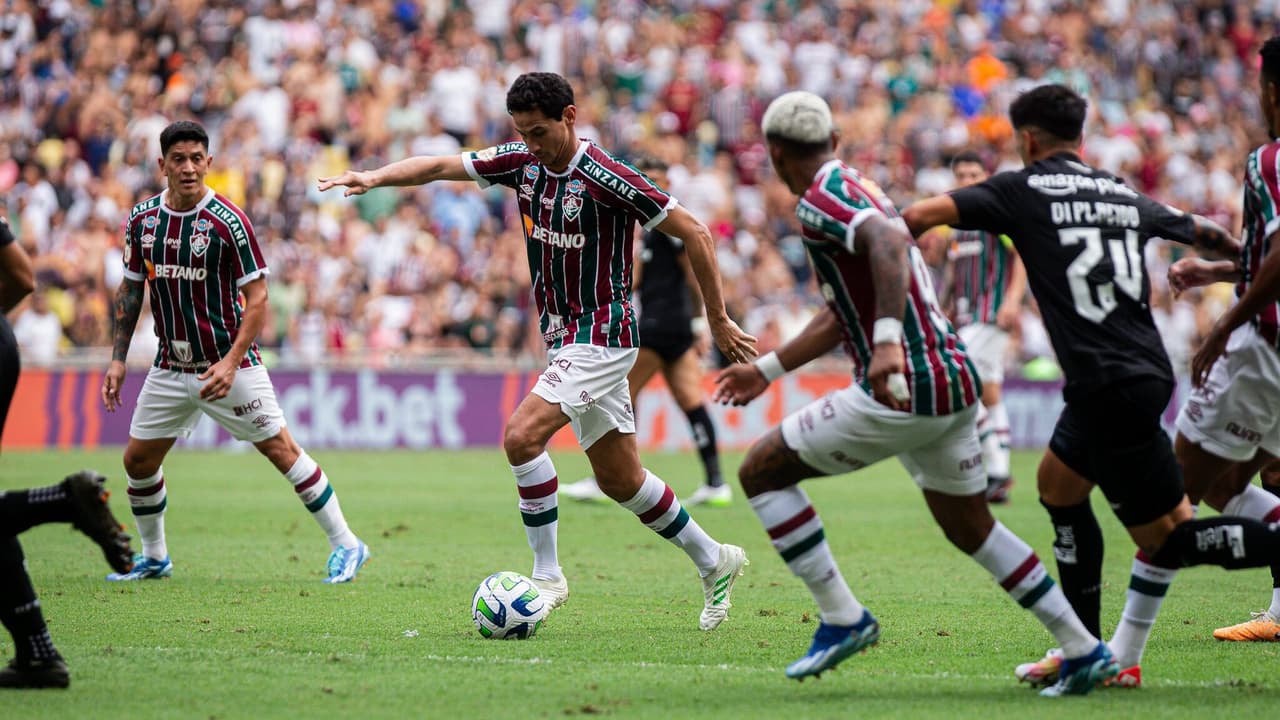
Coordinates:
column 498, row 165
column 248, row 262
column 1261, row 181
column 133, row 256
column 990, row 204
column 622, row 185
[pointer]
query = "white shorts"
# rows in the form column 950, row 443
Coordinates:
column 848, row 430
column 589, row 383
column 1237, row 410
column 169, row 406
column 988, row 346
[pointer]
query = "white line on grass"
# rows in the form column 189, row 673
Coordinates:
column 645, row 664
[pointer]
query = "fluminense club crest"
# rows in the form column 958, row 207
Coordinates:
column 200, row 239
column 199, row 243
column 573, row 198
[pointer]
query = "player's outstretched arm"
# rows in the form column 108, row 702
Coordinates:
column 126, row 308
column 1191, row 272
column 931, row 213
column 740, row 384
column 1213, row 241
column 418, row 170
column 736, row 345
column 1264, row 290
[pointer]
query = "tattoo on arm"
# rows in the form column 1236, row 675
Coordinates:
column 1213, row 240
column 886, row 246
column 128, row 305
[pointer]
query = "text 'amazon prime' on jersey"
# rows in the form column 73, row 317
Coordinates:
column 1080, row 233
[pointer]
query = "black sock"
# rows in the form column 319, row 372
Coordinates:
column 1077, row 546
column 19, row 608
column 1229, row 542
column 21, row 510
column 704, row 436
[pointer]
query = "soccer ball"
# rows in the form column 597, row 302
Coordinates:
column 508, row 605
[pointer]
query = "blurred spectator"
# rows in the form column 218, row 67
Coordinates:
column 39, row 331
column 291, row 91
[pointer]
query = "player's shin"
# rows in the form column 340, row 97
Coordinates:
column 1019, row 571
column 537, row 484
column 312, row 486
column 797, row 534
column 1256, row 503
column 24, row 509
column 657, row 507
column 148, row 499
column 1078, row 549
column 704, row 436
column 19, row 608
column 995, row 446
column 1226, row 541
column 1148, row 584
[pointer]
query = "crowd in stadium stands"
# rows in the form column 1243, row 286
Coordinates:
column 294, row 90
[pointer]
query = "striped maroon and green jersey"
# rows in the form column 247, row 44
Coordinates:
column 578, row 230
column 939, row 372
column 1261, row 221
column 980, row 274
column 194, row 262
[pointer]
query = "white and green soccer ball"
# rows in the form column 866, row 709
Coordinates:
column 508, row 605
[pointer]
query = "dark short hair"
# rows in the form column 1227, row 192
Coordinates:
column 1270, row 53
column 181, row 131
column 1056, row 109
column 967, row 156
column 545, row 92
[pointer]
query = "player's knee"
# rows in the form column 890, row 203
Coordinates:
column 281, row 452
column 140, row 464
column 750, row 476
column 521, row 444
column 965, row 521
column 1271, row 476
column 1220, row 491
column 1060, row 486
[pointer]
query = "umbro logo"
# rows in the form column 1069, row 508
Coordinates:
column 551, row 377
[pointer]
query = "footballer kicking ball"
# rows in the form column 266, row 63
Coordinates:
column 508, row 605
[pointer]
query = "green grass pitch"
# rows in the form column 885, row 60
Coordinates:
column 245, row 628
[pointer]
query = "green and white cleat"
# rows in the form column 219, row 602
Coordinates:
column 717, row 586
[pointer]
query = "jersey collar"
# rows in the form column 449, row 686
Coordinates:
column 573, row 163
column 164, row 196
column 827, row 167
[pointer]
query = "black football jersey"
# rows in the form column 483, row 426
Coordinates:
column 1081, row 232
column 665, row 304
